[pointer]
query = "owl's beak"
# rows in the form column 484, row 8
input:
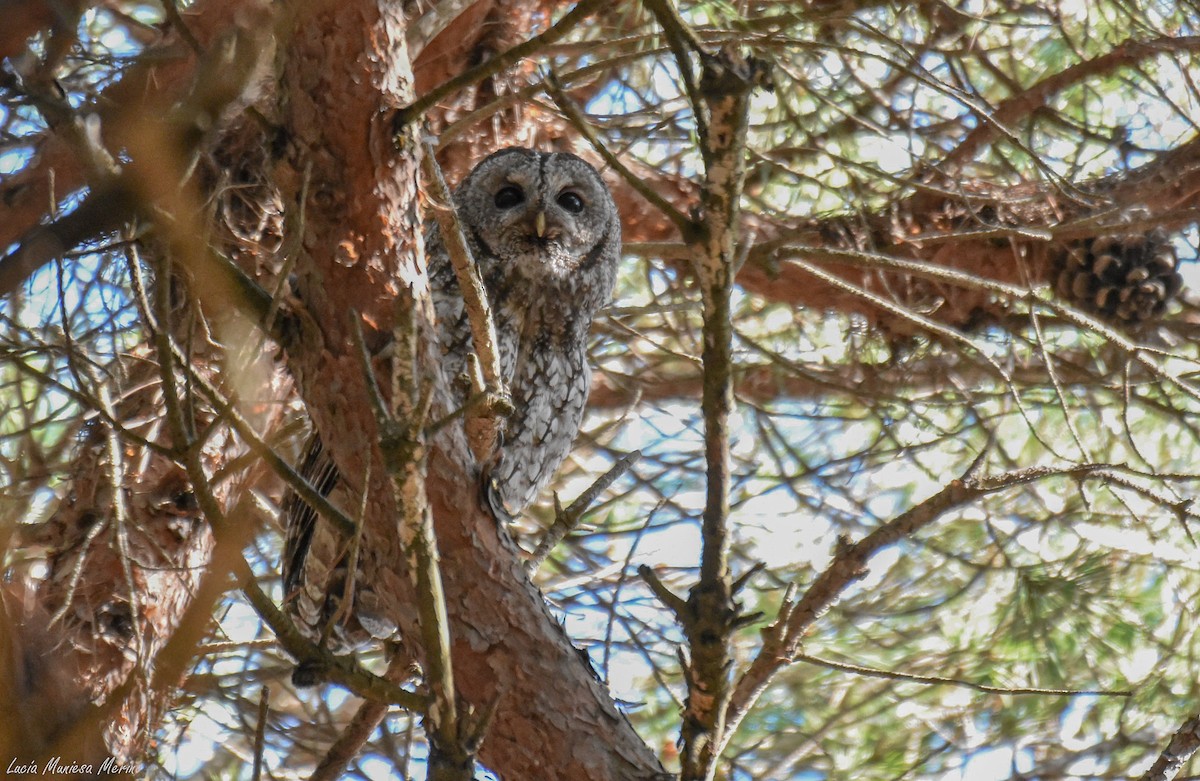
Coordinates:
column 539, row 224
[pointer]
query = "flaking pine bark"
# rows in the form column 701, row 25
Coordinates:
column 355, row 253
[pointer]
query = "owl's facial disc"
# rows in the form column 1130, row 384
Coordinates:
column 546, row 232
column 543, row 213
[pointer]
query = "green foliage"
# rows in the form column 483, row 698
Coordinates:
column 1047, row 629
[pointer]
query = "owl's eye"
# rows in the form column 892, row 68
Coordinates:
column 509, row 197
column 571, row 202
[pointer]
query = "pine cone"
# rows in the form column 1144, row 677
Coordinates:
column 1128, row 279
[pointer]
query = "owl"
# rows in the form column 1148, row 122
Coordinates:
column 545, row 236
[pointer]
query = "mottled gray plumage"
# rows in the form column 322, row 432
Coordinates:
column 543, row 291
column 544, row 233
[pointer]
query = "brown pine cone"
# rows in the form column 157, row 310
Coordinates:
column 1124, row 278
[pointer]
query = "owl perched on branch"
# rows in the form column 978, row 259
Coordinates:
column 545, row 236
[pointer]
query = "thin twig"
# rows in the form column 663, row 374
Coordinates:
column 937, row 680
column 565, row 520
column 346, row 603
column 368, row 716
column 171, row 11
column 260, row 732
column 782, row 639
column 500, row 62
column 483, row 418
column 683, row 41
column 475, row 300
column 343, row 670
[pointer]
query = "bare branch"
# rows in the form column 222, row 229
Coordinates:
column 1183, row 745
column 565, row 520
column 712, row 615
column 782, row 639
column 485, row 417
column 368, row 716
column 581, row 11
column 937, row 680
column 1128, row 52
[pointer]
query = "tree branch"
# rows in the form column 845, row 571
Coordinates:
column 1128, row 52
column 782, row 640
column 1184, row 743
column 712, row 615
column 414, row 110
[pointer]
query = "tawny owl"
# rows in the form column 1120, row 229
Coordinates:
column 544, row 233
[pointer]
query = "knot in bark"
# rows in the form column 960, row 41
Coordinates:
column 728, row 73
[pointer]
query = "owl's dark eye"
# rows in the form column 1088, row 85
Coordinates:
column 509, row 197
column 571, row 202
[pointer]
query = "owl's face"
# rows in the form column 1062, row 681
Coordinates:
column 547, row 213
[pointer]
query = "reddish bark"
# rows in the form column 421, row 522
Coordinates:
column 25, row 18
column 935, row 229
column 360, row 254
column 149, row 88
column 554, row 719
column 22, row 18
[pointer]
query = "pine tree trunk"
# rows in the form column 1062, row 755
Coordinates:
column 345, row 68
